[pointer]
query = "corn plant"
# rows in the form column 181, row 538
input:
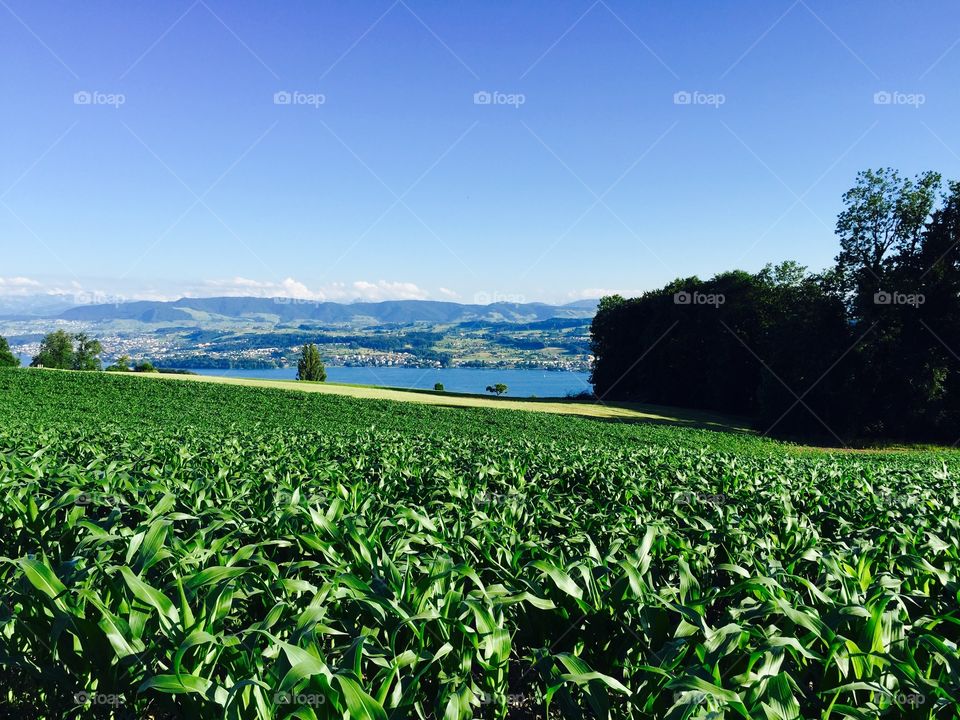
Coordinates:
column 172, row 550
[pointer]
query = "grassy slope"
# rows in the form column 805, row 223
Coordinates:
column 45, row 400
column 605, row 411
column 174, row 402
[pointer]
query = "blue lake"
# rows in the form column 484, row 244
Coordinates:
column 521, row 383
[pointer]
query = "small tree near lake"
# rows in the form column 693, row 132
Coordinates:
column 121, row 364
column 498, row 389
column 310, row 366
column 87, row 354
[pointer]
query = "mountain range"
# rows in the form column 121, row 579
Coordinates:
column 287, row 310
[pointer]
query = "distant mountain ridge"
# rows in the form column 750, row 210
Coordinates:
column 288, row 310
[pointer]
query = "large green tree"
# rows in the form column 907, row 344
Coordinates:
column 56, row 351
column 931, row 340
column 310, row 366
column 881, row 226
column 87, row 354
column 891, row 234
column 7, row 358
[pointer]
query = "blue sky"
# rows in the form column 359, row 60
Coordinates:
column 146, row 153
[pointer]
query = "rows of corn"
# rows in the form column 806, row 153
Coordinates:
column 269, row 555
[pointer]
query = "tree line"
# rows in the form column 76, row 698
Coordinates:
column 61, row 350
column 869, row 347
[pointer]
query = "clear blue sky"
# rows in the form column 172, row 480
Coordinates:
column 199, row 183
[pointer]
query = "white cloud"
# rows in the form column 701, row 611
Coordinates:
column 241, row 286
column 590, row 293
column 84, row 294
column 12, row 286
column 292, row 288
column 383, row 290
column 448, row 293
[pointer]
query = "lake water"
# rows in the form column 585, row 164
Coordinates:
column 521, row 383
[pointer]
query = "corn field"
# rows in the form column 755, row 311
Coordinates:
column 185, row 550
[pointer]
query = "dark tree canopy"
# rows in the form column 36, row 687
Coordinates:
column 867, row 348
